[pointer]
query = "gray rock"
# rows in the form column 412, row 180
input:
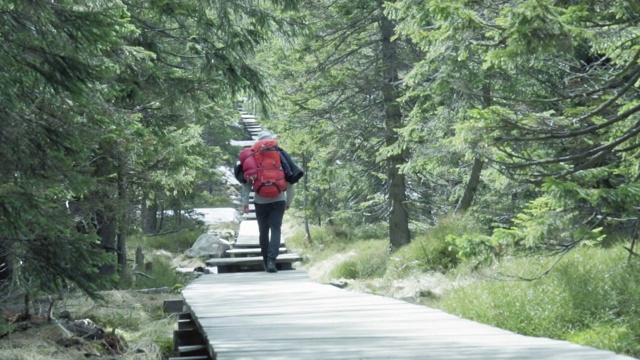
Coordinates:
column 226, row 234
column 208, row 245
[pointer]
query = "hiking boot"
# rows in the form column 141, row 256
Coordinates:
column 271, row 266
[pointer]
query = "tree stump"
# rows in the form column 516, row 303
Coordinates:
column 139, row 258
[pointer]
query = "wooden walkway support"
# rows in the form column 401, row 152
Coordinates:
column 285, row 315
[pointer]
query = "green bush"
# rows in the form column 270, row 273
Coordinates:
column 327, row 241
column 162, row 274
column 614, row 337
column 375, row 231
column 429, row 254
column 370, row 261
column 335, row 233
column 431, row 250
column 176, row 242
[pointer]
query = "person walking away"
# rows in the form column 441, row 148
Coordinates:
column 273, row 182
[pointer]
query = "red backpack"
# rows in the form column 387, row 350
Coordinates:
column 261, row 165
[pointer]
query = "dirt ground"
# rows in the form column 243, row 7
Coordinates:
column 132, row 323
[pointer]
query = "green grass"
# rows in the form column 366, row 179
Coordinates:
column 175, row 242
column 430, row 250
column 591, row 297
column 327, row 241
column 370, row 261
column 162, row 274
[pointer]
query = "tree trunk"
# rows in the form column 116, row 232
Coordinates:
column 476, row 169
column 399, row 234
column 159, row 228
column 106, row 230
column 122, row 225
column 472, row 185
column 139, row 258
column 151, row 218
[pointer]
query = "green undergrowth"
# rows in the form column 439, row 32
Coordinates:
column 159, row 251
column 589, row 296
column 369, row 261
column 329, row 240
column 175, row 242
column 161, row 274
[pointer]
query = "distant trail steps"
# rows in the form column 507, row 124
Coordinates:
column 245, row 253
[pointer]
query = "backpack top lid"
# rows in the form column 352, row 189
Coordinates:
column 266, row 134
column 263, row 145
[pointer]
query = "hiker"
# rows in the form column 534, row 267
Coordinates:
column 271, row 173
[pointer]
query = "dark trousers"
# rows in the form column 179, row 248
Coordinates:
column 269, row 217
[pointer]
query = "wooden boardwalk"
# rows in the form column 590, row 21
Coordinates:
column 259, row 315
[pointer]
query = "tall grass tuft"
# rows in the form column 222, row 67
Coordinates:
column 332, row 239
column 176, row 242
column 370, row 261
column 162, row 274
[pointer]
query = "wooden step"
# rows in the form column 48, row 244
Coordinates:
column 186, row 325
column 173, row 306
column 247, row 251
column 193, row 350
column 253, row 260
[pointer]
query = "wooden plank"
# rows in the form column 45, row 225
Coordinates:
column 253, row 260
column 241, row 143
column 249, row 216
column 185, row 337
column 248, row 234
column 248, row 251
column 287, row 316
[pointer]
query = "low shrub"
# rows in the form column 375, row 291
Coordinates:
column 431, row 250
column 376, row 231
column 162, row 274
column 370, row 261
column 175, row 242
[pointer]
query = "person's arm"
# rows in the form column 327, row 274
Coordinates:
column 244, row 196
column 291, row 193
